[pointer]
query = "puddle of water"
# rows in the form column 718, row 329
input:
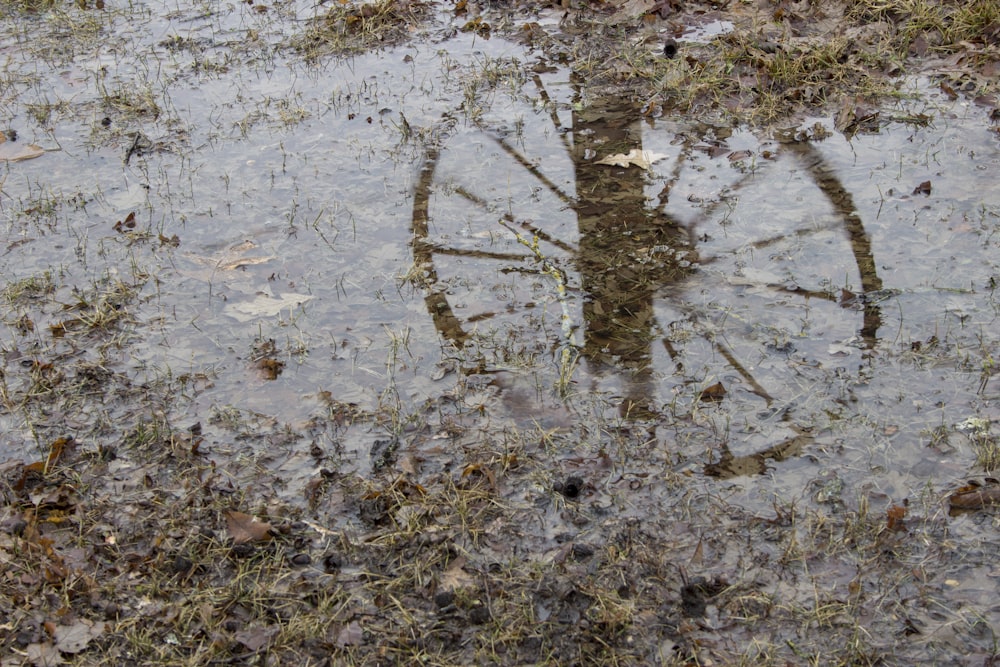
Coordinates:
column 803, row 277
column 703, row 33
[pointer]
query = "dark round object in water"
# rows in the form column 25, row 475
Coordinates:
column 571, row 487
column 670, row 48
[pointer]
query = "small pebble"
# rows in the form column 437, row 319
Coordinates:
column 480, row 615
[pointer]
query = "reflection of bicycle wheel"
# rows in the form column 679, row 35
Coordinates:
column 479, row 277
column 539, row 213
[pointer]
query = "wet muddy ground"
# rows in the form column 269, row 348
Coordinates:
column 500, row 334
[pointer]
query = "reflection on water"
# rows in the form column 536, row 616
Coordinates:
column 747, row 300
column 662, row 304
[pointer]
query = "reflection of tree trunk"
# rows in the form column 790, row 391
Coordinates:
column 625, row 250
column 861, row 244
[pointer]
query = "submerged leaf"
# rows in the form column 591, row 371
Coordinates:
column 244, row 528
column 12, row 152
column 265, row 305
column 975, row 495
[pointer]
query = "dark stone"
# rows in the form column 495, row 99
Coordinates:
column 480, row 615
column 182, row 565
column 331, row 563
column 444, row 599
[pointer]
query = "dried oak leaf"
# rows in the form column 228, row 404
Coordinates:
column 455, row 577
column 244, row 528
column 635, row 157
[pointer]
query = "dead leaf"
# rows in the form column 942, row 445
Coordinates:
column 126, row 224
column 350, row 635
column 265, row 305
column 894, row 517
column 43, row 655
column 74, row 638
column 244, row 528
column 455, row 577
column 56, row 450
column 923, row 189
column 12, row 152
column 254, row 639
column 635, row 157
column 714, row 393
column 975, row 495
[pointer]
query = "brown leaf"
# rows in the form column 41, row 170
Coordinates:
column 714, row 393
column 974, row 496
column 244, row 528
column 56, row 450
column 923, row 189
column 894, row 517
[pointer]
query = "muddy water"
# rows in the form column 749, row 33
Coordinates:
column 791, row 313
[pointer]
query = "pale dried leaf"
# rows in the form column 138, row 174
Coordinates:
column 350, row 635
column 244, row 528
column 74, row 638
column 43, row 655
column 265, row 305
column 630, row 10
column 254, row 639
column 12, row 152
column 455, row 577
column 635, row 157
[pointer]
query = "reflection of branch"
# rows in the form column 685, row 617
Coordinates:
column 861, row 244
column 530, row 168
column 508, row 218
column 730, row 466
column 553, row 113
column 444, row 318
column 741, row 369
